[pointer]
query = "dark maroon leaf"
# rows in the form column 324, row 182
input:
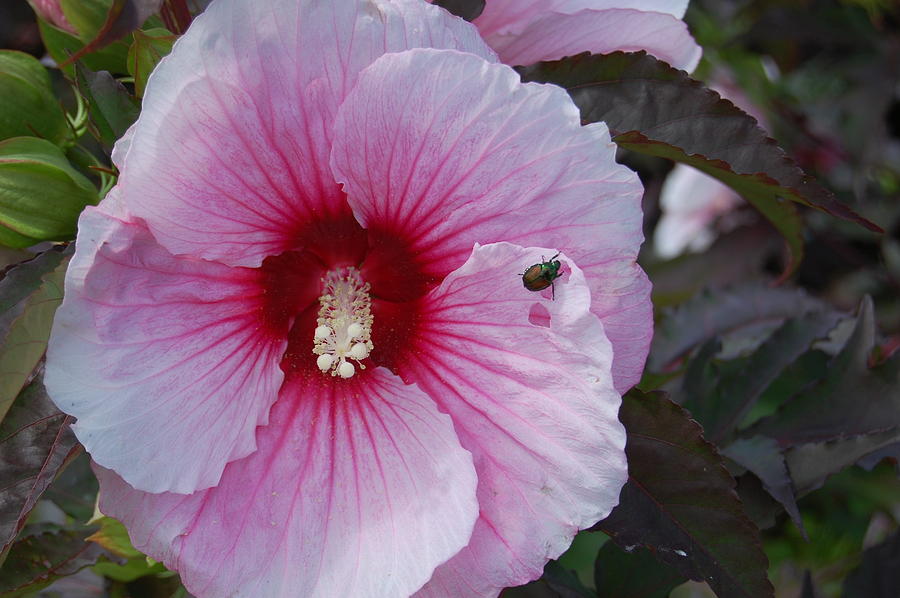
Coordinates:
column 467, row 9
column 638, row 95
column 851, row 400
column 762, row 457
column 23, row 343
column 564, row 583
column 722, row 311
column 759, row 505
column 808, row 369
column 17, row 283
column 809, row 589
column 636, row 574
column 178, row 14
column 812, row 463
column 84, row 584
column 38, row 560
column 878, row 576
column 738, row 257
column 75, row 489
column 556, row 582
column 35, row 444
column 680, row 502
column 890, row 453
column 736, row 391
column 655, row 109
column 124, row 16
column 156, row 586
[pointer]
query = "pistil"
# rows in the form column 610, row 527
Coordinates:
column 344, row 326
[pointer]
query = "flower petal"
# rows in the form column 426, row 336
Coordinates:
column 159, row 357
column 359, row 488
column 557, row 35
column 229, row 157
column 456, row 151
column 513, row 16
column 690, row 201
column 534, row 404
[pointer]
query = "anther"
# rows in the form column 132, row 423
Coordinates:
column 346, row 370
column 324, row 361
column 344, row 325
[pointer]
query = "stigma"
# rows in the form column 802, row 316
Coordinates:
column 344, row 327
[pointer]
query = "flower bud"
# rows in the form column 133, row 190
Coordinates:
column 52, row 12
column 41, row 195
column 27, row 103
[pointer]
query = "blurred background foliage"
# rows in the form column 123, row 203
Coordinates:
column 770, row 408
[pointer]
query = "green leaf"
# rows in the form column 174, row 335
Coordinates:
column 111, row 107
column 113, row 536
column 41, row 195
column 466, row 9
column 86, row 16
column 122, row 17
column 35, row 443
column 28, row 106
column 132, row 569
column 24, row 344
column 877, row 575
column 657, row 110
column 680, row 503
column 62, row 44
column 718, row 312
column 146, row 51
column 35, row 562
column 635, row 574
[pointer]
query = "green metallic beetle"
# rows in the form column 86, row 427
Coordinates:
column 540, row 276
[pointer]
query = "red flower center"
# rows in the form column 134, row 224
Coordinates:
column 293, row 283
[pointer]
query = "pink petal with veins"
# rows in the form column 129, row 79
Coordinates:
column 358, row 489
column 446, row 164
column 534, row 404
column 160, row 357
column 211, row 166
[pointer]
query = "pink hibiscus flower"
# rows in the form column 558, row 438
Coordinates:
column 529, row 31
column 295, row 335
